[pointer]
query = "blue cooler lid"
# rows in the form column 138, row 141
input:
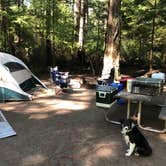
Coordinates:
column 119, row 86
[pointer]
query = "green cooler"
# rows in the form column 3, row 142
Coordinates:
column 105, row 95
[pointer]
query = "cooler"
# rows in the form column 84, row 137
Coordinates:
column 105, row 95
column 147, row 86
column 119, row 87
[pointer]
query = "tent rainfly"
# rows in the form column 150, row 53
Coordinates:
column 15, row 79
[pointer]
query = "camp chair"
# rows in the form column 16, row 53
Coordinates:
column 59, row 78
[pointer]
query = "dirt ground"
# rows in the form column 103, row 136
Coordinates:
column 67, row 129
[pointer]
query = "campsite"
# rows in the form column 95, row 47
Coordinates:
column 68, row 129
column 82, row 83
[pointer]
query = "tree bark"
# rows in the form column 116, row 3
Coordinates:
column 81, row 51
column 48, row 34
column 4, row 25
column 111, row 55
column 81, row 26
column 152, row 41
column 77, row 8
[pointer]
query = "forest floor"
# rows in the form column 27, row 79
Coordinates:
column 67, row 129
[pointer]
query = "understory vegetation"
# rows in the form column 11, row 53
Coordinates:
column 46, row 33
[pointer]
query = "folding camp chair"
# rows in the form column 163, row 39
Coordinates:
column 59, row 78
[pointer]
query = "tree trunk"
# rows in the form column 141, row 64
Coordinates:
column 111, row 55
column 19, row 3
column 152, row 41
column 48, row 29
column 4, row 25
column 53, row 32
column 81, row 27
column 81, row 51
column 77, row 8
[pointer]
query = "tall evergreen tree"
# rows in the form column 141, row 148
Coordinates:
column 111, row 55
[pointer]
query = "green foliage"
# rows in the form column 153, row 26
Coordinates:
column 95, row 36
column 26, row 30
column 64, row 26
column 137, row 17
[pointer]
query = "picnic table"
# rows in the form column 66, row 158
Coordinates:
column 141, row 99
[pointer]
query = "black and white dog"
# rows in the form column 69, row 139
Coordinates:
column 134, row 139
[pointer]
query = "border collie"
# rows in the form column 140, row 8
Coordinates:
column 134, row 139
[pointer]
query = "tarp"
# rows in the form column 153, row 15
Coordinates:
column 5, row 128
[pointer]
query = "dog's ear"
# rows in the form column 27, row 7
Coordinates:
column 132, row 123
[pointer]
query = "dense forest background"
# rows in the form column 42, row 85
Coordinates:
column 72, row 33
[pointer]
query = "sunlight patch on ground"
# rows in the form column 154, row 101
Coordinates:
column 50, row 104
column 46, row 101
column 38, row 116
column 38, row 110
column 43, row 93
column 15, row 107
column 101, row 151
column 62, row 104
column 43, row 110
column 63, row 112
column 104, row 152
column 9, row 108
column 72, row 105
column 163, row 137
column 34, row 160
column 49, row 92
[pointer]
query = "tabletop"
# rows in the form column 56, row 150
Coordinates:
column 133, row 96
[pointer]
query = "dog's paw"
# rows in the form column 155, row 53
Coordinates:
column 128, row 154
column 136, row 154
